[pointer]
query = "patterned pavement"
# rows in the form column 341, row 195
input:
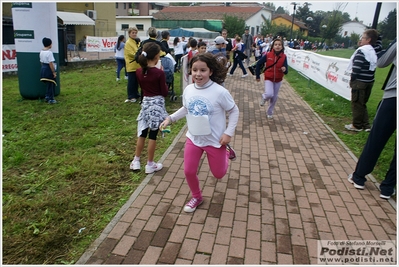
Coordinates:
column 287, row 189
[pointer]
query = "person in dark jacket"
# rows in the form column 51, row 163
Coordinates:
column 276, row 66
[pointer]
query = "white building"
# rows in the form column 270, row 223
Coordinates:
column 352, row 27
column 123, row 23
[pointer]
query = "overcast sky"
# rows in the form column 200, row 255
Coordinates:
column 362, row 10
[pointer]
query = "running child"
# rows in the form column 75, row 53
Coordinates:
column 205, row 105
column 276, row 67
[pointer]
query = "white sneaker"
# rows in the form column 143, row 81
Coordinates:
column 135, row 165
column 245, row 75
column 262, row 102
column 229, row 74
column 133, row 100
column 126, row 77
column 117, row 79
column 270, row 117
column 154, row 168
column 357, row 186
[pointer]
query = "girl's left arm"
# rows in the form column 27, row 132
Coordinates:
column 233, row 120
column 231, row 127
column 286, row 65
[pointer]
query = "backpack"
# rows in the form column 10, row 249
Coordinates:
column 168, row 68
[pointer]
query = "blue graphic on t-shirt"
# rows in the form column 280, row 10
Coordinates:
column 199, row 106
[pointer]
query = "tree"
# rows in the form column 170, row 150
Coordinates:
column 233, row 25
column 331, row 25
column 354, row 39
column 303, row 12
column 281, row 10
column 387, row 28
column 269, row 5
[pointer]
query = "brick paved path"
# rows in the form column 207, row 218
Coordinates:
column 286, row 190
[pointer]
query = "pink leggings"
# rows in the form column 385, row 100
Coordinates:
column 218, row 160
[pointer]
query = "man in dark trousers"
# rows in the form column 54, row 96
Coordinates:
column 248, row 41
column 384, row 126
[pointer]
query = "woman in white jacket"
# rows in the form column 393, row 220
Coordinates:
column 119, row 50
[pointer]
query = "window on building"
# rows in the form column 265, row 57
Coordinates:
column 116, row 5
column 124, row 5
column 140, row 27
column 125, row 26
column 130, row 5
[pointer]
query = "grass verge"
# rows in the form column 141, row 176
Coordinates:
column 65, row 166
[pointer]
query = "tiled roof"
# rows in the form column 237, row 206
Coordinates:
column 287, row 17
column 205, row 12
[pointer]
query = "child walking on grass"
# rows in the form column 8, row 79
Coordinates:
column 276, row 66
column 205, row 105
column 153, row 84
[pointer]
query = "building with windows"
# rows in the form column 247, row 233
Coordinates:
column 252, row 13
column 138, row 8
column 286, row 20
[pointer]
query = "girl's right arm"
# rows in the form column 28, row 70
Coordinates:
column 182, row 112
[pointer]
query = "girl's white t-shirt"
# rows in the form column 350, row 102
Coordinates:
column 46, row 56
column 212, row 102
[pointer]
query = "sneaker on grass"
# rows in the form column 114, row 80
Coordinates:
column 135, row 165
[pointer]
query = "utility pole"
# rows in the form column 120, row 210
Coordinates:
column 293, row 16
column 376, row 15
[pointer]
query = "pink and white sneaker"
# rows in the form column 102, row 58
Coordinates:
column 232, row 153
column 154, row 168
column 192, row 205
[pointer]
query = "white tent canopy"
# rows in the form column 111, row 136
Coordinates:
column 70, row 18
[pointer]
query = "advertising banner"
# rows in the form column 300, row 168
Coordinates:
column 9, row 62
column 100, row 44
column 32, row 22
column 329, row 72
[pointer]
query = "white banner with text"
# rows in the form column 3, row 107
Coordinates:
column 9, row 62
column 329, row 72
column 100, row 44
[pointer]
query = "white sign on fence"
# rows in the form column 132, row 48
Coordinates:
column 329, row 72
column 100, row 44
column 9, row 62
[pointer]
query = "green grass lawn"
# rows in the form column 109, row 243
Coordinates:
column 66, row 166
column 336, row 111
